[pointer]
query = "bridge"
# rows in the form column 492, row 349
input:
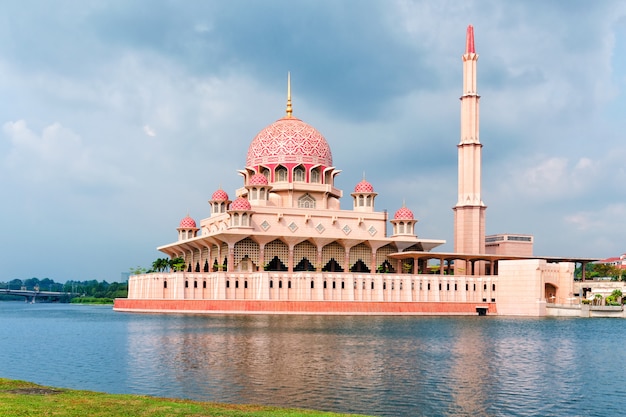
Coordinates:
column 34, row 294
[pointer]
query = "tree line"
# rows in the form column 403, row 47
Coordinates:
column 599, row 270
column 91, row 289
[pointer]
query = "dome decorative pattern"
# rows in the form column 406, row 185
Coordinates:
column 404, row 214
column 240, row 204
column 289, row 140
column 364, row 187
column 187, row 223
column 258, row 179
column 220, row 195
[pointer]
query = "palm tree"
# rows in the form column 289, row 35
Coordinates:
column 160, row 265
column 177, row 264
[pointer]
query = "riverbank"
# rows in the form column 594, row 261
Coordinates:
column 20, row 398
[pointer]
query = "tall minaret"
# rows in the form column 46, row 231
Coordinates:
column 469, row 212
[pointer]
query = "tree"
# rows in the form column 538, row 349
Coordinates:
column 137, row 270
column 177, row 264
column 160, row 265
column 31, row 283
column 15, row 284
column 615, row 298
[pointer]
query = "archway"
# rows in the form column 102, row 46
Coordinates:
column 550, row 293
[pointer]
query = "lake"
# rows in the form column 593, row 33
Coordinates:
column 384, row 366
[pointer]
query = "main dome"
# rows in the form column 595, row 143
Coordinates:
column 289, row 140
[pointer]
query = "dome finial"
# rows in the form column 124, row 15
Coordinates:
column 289, row 109
column 363, row 175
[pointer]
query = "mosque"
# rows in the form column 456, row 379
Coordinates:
column 283, row 245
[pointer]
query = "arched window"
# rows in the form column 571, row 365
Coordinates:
column 281, row 174
column 266, row 173
column 306, row 201
column 360, row 200
column 253, row 194
column 298, row 174
column 315, row 175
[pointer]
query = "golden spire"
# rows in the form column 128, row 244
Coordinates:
column 289, row 109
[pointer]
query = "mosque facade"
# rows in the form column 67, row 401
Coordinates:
column 282, row 244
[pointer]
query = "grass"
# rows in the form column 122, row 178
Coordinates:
column 20, row 398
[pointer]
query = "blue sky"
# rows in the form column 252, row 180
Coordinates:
column 120, row 117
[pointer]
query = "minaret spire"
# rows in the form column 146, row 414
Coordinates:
column 289, row 109
column 469, row 40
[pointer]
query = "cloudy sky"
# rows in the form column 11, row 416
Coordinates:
column 120, row 117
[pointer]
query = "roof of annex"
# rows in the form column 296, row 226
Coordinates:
column 483, row 257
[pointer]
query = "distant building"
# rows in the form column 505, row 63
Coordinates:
column 616, row 261
column 509, row 244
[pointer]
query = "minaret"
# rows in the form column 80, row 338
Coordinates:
column 469, row 212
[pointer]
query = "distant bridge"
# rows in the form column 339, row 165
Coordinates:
column 34, row 294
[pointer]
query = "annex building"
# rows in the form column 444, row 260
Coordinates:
column 282, row 244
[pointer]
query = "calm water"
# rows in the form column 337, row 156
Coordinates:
column 387, row 366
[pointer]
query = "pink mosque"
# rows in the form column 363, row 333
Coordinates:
column 283, row 245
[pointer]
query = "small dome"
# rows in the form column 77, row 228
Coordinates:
column 404, row 214
column 219, row 195
column 258, row 179
column 240, row 204
column 364, row 187
column 187, row 223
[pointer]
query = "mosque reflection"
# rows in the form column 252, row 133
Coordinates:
column 370, row 365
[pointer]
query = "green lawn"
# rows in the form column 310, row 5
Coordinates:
column 20, row 398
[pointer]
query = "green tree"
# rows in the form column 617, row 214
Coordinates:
column 160, row 264
column 177, row 264
column 138, row 270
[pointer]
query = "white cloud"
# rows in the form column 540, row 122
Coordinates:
column 149, row 131
column 57, row 155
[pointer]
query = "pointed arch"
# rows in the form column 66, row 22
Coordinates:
column 299, row 174
column 246, row 248
column 304, row 251
column 381, row 256
column 333, row 251
column 277, row 249
column 316, row 176
column 281, row 174
column 306, row 201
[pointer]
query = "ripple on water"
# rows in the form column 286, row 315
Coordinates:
column 386, row 366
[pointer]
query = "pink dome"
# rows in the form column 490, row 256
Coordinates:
column 240, row 204
column 258, row 179
column 187, row 223
column 220, row 195
column 404, row 214
column 364, row 187
column 289, row 140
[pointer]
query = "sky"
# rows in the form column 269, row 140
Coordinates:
column 119, row 118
